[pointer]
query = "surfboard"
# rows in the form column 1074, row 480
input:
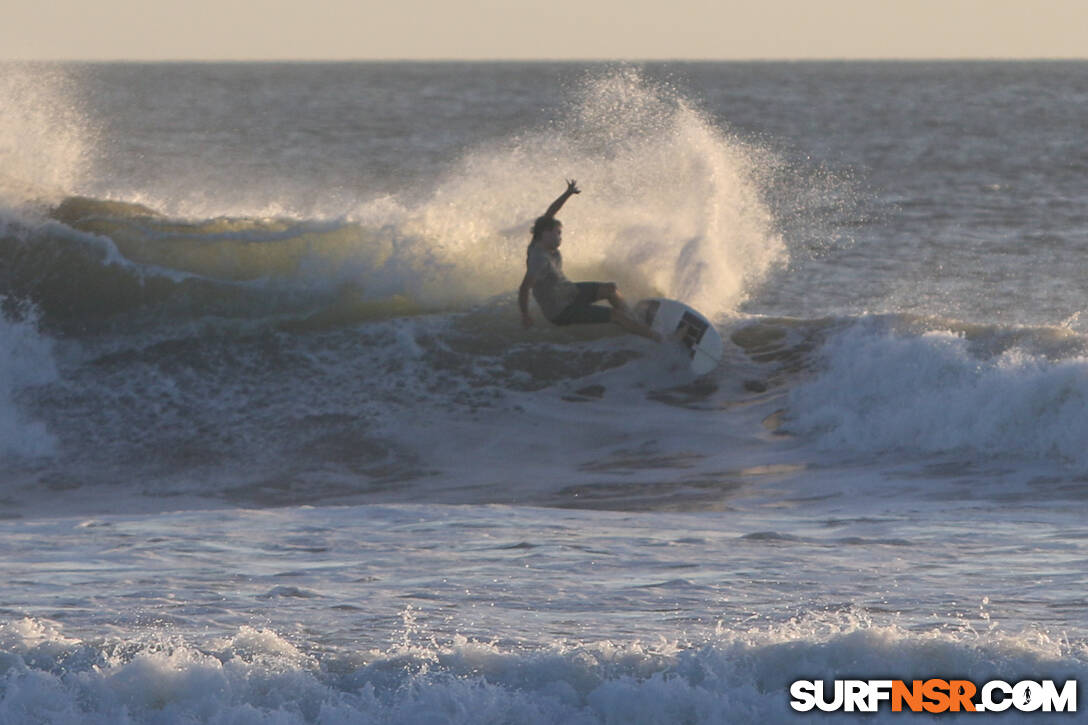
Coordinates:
column 701, row 340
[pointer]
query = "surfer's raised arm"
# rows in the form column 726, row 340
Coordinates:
column 572, row 189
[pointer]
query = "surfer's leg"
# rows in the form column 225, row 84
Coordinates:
column 630, row 324
column 609, row 291
column 622, row 315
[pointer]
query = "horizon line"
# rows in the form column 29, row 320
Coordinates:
column 440, row 59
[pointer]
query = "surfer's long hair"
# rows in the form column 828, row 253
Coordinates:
column 541, row 225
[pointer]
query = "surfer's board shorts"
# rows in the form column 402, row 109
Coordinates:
column 582, row 311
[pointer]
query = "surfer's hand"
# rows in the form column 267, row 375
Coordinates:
column 526, row 321
column 572, row 187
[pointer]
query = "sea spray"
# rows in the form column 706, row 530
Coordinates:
column 671, row 205
column 45, row 139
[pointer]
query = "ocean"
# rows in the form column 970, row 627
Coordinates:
column 276, row 448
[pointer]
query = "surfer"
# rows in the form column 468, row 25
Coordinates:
column 562, row 301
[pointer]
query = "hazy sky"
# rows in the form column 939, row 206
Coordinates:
column 538, row 29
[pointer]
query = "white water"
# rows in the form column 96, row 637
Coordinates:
column 931, row 393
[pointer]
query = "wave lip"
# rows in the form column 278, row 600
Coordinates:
column 92, row 261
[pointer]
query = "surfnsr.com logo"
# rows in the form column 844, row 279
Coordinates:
column 934, row 696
